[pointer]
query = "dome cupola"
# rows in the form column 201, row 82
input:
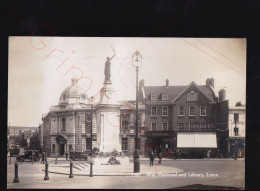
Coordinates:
column 73, row 94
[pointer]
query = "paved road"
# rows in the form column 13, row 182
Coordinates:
column 227, row 173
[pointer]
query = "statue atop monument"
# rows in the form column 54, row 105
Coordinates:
column 107, row 71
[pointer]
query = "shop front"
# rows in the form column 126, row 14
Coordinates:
column 160, row 141
column 236, row 144
column 197, row 144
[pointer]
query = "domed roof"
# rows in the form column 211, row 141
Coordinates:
column 73, row 94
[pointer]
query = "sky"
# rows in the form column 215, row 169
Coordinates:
column 40, row 68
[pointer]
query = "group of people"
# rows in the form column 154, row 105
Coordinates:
column 106, row 154
column 153, row 154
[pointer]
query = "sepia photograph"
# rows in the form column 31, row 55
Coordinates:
column 126, row 112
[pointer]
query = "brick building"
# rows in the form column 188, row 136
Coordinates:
column 189, row 117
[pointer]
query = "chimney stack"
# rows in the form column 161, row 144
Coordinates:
column 210, row 82
column 167, row 82
column 222, row 95
column 238, row 103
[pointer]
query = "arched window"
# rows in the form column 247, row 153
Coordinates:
column 63, row 127
column 64, row 97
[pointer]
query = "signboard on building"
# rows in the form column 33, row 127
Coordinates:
column 132, row 131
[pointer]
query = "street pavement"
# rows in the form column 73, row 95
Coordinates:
column 169, row 174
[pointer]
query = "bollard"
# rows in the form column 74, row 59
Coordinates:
column 46, row 171
column 10, row 162
column 91, row 169
column 16, row 179
column 71, row 169
column 56, row 160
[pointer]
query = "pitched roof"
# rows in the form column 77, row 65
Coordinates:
column 174, row 91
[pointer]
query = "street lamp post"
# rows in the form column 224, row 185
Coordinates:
column 90, row 120
column 236, row 132
column 137, row 62
column 92, row 100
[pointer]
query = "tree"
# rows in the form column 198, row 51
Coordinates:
column 23, row 141
column 34, row 142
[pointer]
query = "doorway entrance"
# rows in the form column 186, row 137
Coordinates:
column 61, row 150
column 62, row 144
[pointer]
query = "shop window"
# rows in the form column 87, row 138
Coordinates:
column 203, row 110
column 124, row 144
column 153, row 110
column 192, row 96
column 153, row 126
column 165, row 126
column 181, row 110
column 165, row 111
column 153, row 96
column 192, row 111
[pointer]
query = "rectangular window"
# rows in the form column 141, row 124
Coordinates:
column 165, row 111
column 153, row 126
column 236, row 117
column 153, row 96
column 124, row 144
column 12, row 132
column 202, row 110
column 236, row 131
column 124, row 124
column 180, row 126
column 165, row 126
column 181, row 110
column 192, row 111
column 153, row 110
column 53, row 148
column 192, row 96
column 164, row 96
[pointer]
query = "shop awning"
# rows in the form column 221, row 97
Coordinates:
column 196, row 140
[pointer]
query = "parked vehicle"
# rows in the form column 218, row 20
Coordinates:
column 28, row 155
column 14, row 150
column 76, row 155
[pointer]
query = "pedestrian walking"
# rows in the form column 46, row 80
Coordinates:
column 160, row 157
column 151, row 156
column 66, row 154
column 208, row 154
column 33, row 156
column 177, row 154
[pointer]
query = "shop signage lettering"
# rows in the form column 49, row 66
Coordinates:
column 197, row 125
column 160, row 134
